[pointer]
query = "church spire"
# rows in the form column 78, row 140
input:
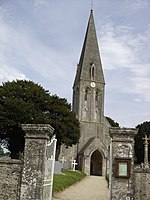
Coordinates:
column 90, row 55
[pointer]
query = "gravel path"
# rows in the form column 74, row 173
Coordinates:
column 90, row 188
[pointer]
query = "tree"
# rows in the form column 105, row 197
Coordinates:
column 112, row 122
column 143, row 128
column 1, row 152
column 23, row 102
column 20, row 102
column 64, row 121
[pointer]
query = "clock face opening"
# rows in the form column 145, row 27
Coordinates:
column 93, row 84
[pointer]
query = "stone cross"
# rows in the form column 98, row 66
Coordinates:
column 146, row 151
column 62, row 160
column 73, row 164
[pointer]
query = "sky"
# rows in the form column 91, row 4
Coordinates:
column 41, row 40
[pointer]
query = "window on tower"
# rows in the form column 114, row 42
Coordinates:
column 92, row 71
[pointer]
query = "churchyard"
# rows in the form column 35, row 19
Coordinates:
column 66, row 179
column 33, row 178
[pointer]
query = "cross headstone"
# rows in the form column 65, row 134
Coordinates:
column 146, row 139
column 146, row 164
column 73, row 164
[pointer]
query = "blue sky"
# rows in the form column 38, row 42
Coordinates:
column 41, row 40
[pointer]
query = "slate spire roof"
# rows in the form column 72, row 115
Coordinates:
column 90, row 54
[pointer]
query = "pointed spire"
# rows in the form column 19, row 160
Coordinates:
column 90, row 54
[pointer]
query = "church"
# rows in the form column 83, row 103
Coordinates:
column 92, row 151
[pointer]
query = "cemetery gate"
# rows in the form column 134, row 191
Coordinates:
column 49, row 169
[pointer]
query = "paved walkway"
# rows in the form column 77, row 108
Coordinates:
column 90, row 188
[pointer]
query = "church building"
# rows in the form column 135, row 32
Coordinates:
column 88, row 104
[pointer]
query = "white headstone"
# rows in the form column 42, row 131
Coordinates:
column 73, row 164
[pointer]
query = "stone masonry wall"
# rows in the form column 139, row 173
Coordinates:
column 10, row 177
column 142, row 184
column 122, row 149
column 32, row 181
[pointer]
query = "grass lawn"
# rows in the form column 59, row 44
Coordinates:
column 68, row 178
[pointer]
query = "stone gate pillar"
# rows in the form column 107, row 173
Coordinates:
column 122, row 163
column 36, row 139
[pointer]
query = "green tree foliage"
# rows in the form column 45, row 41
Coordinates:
column 24, row 101
column 1, row 152
column 112, row 122
column 64, row 121
column 20, row 102
column 143, row 129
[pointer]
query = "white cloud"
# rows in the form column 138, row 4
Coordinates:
column 10, row 74
column 40, row 3
column 22, row 52
column 135, row 5
column 39, row 42
column 121, row 48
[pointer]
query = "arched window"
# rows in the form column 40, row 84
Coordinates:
column 92, row 71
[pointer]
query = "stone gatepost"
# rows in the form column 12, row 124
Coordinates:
column 36, row 139
column 122, row 163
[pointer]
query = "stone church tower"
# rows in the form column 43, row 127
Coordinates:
column 88, row 104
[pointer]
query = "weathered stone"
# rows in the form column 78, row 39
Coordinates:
column 34, row 160
column 142, row 184
column 123, row 149
column 10, row 177
column 88, row 105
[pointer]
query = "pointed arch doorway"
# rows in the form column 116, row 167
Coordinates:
column 96, row 163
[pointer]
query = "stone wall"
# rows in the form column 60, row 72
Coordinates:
column 122, row 154
column 10, row 178
column 36, row 138
column 142, row 184
column 24, row 181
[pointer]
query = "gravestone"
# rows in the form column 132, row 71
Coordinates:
column 63, row 160
column 66, row 165
column 58, row 167
column 73, row 165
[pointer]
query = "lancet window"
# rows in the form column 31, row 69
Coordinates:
column 92, row 71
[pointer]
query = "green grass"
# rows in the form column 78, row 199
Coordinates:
column 68, row 178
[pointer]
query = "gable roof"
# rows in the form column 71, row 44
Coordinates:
column 86, row 145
